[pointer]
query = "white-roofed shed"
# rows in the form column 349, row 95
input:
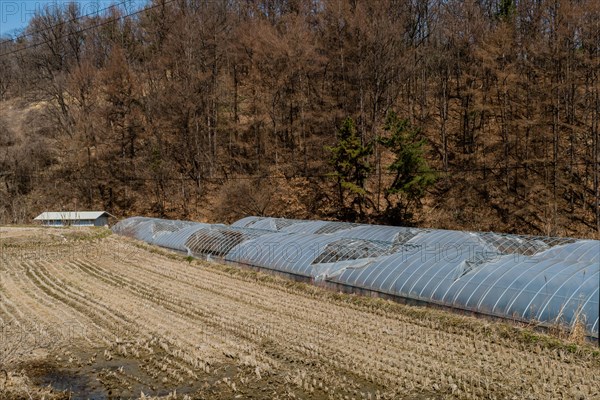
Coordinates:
column 74, row 218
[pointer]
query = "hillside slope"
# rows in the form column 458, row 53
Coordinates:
column 216, row 110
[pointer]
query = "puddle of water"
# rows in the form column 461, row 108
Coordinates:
column 83, row 384
column 119, row 377
column 80, row 386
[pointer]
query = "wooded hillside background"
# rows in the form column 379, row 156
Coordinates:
column 213, row 110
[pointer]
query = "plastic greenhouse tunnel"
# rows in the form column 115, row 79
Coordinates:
column 539, row 280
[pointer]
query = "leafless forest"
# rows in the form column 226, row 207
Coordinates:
column 216, row 109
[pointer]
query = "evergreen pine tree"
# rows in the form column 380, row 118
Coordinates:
column 412, row 175
column 351, row 168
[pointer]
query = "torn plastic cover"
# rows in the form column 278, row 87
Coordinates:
column 332, row 227
column 526, row 245
column 347, row 253
column 324, row 271
column 351, row 249
column 218, row 240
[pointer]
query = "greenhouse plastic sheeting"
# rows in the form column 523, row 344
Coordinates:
column 539, row 279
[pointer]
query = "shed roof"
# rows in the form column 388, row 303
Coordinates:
column 70, row 215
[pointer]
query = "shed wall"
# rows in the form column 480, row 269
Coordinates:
column 101, row 221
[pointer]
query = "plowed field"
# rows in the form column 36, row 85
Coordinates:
column 100, row 316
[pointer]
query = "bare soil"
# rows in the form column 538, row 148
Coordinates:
column 89, row 315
